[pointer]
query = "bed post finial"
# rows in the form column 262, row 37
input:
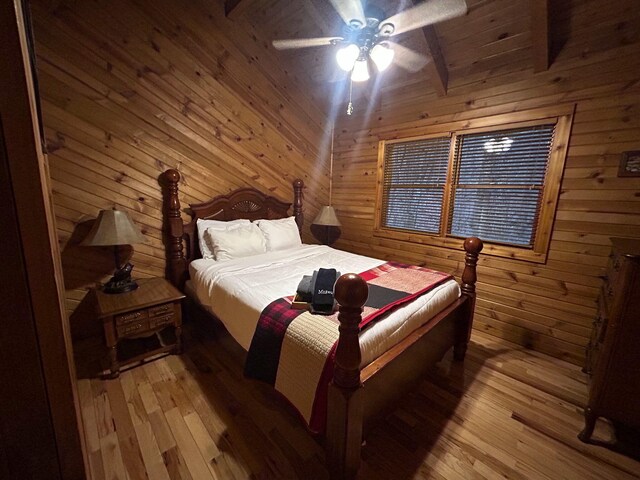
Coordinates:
column 473, row 247
column 351, row 293
column 176, row 266
column 345, row 405
column 298, row 185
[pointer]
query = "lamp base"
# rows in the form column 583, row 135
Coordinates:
column 325, row 234
column 121, row 281
column 120, row 286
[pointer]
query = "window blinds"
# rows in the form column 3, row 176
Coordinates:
column 413, row 186
column 499, row 182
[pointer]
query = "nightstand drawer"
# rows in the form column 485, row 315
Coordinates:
column 161, row 310
column 131, row 317
column 164, row 320
column 132, row 328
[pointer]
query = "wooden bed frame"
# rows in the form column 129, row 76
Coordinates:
column 356, row 396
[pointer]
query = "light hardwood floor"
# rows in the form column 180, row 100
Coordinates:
column 509, row 413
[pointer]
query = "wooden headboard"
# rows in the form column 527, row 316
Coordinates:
column 247, row 203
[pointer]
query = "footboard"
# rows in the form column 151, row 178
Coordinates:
column 390, row 376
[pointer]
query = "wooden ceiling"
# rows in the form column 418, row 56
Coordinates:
column 492, row 34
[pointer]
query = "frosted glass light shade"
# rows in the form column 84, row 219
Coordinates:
column 327, row 216
column 347, row 56
column 113, row 227
column 382, row 56
column 360, row 71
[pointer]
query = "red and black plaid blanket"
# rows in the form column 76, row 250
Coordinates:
column 293, row 350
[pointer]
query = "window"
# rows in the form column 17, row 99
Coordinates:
column 499, row 183
column 414, row 178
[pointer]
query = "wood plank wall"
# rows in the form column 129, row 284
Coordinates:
column 131, row 88
column 548, row 307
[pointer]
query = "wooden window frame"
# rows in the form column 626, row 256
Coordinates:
column 561, row 115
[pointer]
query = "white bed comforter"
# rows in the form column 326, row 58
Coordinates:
column 236, row 291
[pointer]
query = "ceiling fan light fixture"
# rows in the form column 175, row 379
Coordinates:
column 368, row 33
column 360, row 71
column 382, row 56
column 346, row 57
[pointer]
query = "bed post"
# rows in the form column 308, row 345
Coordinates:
column 298, row 185
column 473, row 247
column 344, row 413
column 176, row 266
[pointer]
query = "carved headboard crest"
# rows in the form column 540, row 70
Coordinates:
column 247, row 203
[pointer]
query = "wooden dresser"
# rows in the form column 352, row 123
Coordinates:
column 613, row 353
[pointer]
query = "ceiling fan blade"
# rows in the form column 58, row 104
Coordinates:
column 350, row 10
column 408, row 59
column 426, row 13
column 289, row 43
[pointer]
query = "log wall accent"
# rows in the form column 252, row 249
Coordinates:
column 596, row 65
column 130, row 89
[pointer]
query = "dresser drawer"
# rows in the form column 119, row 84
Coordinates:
column 600, row 323
column 613, row 272
column 612, row 353
column 598, row 332
column 159, row 321
column 130, row 317
column 161, row 310
column 132, row 328
column 593, row 353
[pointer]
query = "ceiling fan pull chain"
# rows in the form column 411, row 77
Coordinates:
column 350, row 105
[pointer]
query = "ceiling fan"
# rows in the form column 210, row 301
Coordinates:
column 368, row 32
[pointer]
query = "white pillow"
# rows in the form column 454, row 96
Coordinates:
column 280, row 234
column 242, row 241
column 202, row 225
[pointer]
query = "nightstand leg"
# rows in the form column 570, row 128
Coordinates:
column 459, row 351
column 113, row 357
column 589, row 424
column 178, row 339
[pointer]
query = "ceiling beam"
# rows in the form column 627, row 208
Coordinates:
column 540, row 34
column 234, row 9
column 437, row 68
column 322, row 16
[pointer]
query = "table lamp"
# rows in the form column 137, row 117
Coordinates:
column 326, row 226
column 114, row 228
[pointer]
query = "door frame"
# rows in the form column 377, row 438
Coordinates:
column 40, row 266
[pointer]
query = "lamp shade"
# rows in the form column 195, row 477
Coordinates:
column 113, row 227
column 347, row 56
column 360, row 71
column 327, row 216
column 382, row 56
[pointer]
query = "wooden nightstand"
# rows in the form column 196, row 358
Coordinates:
column 142, row 313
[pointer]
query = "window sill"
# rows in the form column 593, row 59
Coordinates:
column 495, row 249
